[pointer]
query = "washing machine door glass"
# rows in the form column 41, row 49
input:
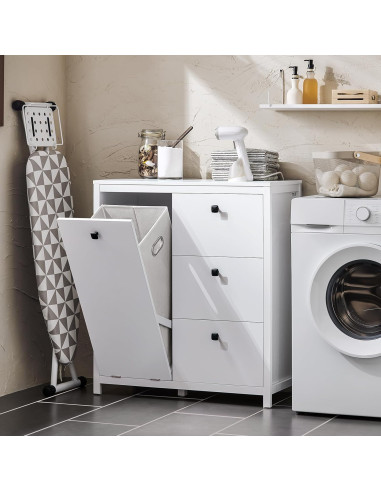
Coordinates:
column 345, row 300
column 354, row 299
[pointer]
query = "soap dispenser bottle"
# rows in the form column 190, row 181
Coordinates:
column 310, row 85
column 294, row 95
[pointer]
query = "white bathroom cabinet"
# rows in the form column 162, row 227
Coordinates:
column 231, row 289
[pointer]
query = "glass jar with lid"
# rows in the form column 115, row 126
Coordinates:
column 148, row 152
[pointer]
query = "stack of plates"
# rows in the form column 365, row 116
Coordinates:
column 264, row 164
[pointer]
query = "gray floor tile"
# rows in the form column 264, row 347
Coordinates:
column 232, row 405
column 137, row 410
column 20, row 398
column 74, row 428
column 85, row 396
column 345, row 426
column 285, row 403
column 282, row 395
column 35, row 417
column 278, row 421
column 228, row 405
column 178, row 424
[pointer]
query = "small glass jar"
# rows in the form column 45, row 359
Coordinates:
column 148, row 152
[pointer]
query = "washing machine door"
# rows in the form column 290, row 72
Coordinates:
column 346, row 300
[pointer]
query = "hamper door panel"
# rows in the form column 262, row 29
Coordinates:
column 115, row 298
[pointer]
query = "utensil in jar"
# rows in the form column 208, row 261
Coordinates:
column 183, row 135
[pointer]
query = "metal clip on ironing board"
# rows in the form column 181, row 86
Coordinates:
column 49, row 196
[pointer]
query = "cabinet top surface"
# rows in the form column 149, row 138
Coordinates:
column 197, row 182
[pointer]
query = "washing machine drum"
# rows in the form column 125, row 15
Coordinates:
column 346, row 300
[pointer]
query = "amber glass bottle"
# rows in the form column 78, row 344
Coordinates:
column 310, row 85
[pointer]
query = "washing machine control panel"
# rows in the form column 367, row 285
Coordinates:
column 362, row 212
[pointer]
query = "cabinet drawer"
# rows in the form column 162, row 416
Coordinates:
column 236, row 229
column 236, row 357
column 233, row 293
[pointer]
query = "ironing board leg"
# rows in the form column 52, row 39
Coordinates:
column 54, row 371
column 97, row 387
column 73, row 372
column 59, row 387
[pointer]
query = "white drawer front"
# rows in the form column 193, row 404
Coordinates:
column 236, row 357
column 236, row 229
column 234, row 293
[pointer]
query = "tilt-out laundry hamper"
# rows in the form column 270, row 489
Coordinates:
column 121, row 263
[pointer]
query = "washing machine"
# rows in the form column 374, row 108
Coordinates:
column 336, row 305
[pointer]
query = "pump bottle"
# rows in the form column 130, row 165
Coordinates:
column 294, row 95
column 310, row 85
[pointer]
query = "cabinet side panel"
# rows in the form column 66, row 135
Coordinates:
column 281, row 286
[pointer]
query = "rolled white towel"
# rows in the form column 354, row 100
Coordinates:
column 341, row 190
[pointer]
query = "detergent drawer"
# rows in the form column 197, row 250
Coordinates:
column 119, row 259
column 218, row 288
column 217, row 224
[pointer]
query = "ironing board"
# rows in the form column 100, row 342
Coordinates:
column 49, row 197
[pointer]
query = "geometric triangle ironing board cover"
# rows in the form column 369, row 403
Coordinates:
column 49, row 196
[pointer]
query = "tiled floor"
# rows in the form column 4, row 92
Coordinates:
column 122, row 411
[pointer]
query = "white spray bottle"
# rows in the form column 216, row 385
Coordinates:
column 295, row 95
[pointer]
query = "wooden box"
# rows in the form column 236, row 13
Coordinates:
column 359, row 96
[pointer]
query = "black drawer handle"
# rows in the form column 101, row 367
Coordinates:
column 215, row 336
column 94, row 235
column 215, row 209
column 215, row 272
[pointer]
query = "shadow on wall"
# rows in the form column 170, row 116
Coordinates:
column 330, row 84
column 193, row 164
column 293, row 171
column 228, row 90
column 130, row 96
column 173, row 92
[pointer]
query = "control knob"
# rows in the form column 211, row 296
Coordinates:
column 363, row 213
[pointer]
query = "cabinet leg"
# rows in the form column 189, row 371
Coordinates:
column 182, row 393
column 97, row 387
column 267, row 400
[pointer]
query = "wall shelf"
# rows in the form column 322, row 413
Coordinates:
column 322, row 107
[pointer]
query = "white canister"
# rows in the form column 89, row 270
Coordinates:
column 169, row 160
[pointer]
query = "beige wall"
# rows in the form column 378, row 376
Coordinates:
column 105, row 101
column 109, row 99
